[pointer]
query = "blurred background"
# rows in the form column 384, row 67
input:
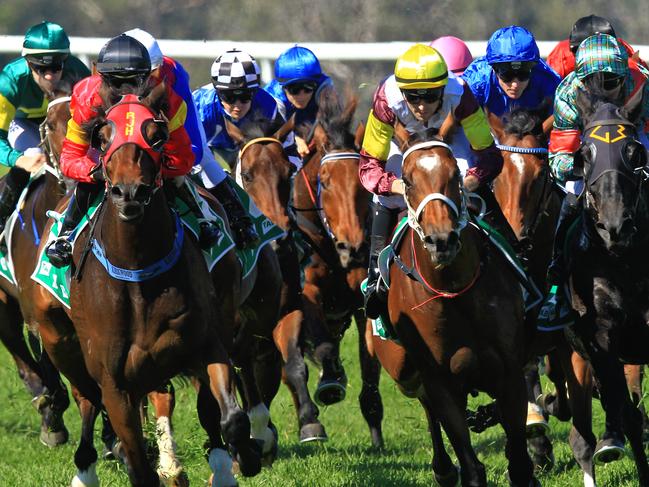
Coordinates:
column 321, row 21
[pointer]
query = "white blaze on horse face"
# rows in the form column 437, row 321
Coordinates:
column 519, row 162
column 429, row 163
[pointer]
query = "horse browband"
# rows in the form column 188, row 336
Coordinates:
column 257, row 140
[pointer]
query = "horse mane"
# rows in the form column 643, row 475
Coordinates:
column 257, row 126
column 526, row 121
column 335, row 115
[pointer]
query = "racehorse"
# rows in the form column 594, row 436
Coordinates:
column 50, row 397
column 332, row 211
column 265, row 173
column 609, row 274
column 118, row 345
column 450, row 344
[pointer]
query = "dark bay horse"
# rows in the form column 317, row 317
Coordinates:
column 609, row 275
column 265, row 173
column 120, row 344
column 50, row 397
column 332, row 211
column 458, row 315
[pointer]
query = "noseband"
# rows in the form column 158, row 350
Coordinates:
column 462, row 214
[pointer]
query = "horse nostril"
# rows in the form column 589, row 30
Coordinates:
column 116, row 191
column 142, row 193
column 342, row 246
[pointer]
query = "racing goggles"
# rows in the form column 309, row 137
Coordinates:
column 423, row 95
column 297, row 88
column 507, row 72
column 231, row 96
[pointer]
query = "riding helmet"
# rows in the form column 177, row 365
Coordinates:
column 420, row 67
column 46, row 44
column 601, row 53
column 235, row 70
column 588, row 26
column 512, row 44
column 454, row 51
column 296, row 65
column 152, row 47
column 124, row 56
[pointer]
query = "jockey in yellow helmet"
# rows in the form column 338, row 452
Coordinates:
column 420, row 95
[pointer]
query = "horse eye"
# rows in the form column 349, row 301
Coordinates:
column 246, row 177
column 406, row 182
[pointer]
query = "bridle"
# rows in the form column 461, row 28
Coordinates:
column 44, row 131
column 462, row 213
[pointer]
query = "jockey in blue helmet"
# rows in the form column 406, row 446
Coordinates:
column 512, row 74
column 298, row 82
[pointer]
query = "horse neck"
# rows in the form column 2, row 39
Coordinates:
column 455, row 276
column 135, row 245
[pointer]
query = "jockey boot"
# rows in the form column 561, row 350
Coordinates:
column 15, row 182
column 59, row 252
column 209, row 232
column 556, row 311
column 495, row 218
column 245, row 235
column 375, row 296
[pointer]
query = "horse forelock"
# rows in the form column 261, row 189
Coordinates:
column 522, row 121
column 258, row 126
column 336, row 119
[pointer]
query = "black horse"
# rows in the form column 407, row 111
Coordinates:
column 609, row 276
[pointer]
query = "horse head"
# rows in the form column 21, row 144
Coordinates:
column 130, row 137
column 613, row 163
column 434, row 194
column 524, row 187
column 342, row 201
column 264, row 166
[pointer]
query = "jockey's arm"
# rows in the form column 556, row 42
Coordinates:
column 489, row 160
column 565, row 137
column 374, row 153
column 74, row 161
column 8, row 155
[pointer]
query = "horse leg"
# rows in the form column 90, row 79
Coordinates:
column 170, row 469
column 85, row 456
column 124, row 415
column 369, row 397
column 450, row 409
column 579, row 381
column 557, row 403
column 634, row 375
column 295, row 374
column 538, row 442
column 332, row 383
column 234, row 424
column 446, row 473
column 512, row 402
column 49, row 394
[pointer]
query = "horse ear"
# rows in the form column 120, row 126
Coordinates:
column 448, row 127
column 547, row 125
column 156, row 98
column 234, row 132
column 583, row 102
column 401, row 134
column 496, row 124
column 319, row 138
column 633, row 107
column 285, row 129
column 358, row 136
column 93, row 68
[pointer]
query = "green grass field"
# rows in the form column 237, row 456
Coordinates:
column 345, row 460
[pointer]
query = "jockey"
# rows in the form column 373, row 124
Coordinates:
column 420, row 94
column 455, row 52
column 24, row 82
column 234, row 95
column 562, row 57
column 298, row 84
column 124, row 66
column 602, row 66
column 512, row 74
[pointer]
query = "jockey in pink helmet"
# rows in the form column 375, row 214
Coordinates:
column 455, row 53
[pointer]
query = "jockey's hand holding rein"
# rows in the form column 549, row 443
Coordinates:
column 471, row 183
column 31, row 163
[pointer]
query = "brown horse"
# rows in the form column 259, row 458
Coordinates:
column 265, row 173
column 332, row 211
column 50, row 397
column 118, row 345
column 459, row 316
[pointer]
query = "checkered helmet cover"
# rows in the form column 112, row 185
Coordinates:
column 235, row 70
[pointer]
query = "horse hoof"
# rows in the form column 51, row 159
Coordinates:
column 53, row 438
column 543, row 463
column 450, row 479
column 550, row 404
column 248, row 458
column 536, row 424
column 269, row 456
column 330, row 392
column 377, row 438
column 608, row 450
column 178, row 480
column 312, row 432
